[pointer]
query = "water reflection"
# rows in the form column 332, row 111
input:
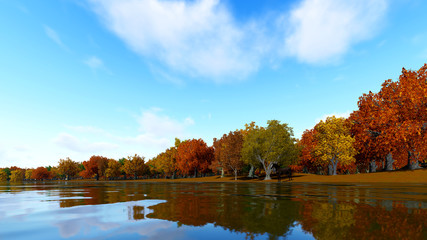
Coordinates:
column 212, row 211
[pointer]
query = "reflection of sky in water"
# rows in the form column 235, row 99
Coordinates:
column 36, row 214
column 211, row 211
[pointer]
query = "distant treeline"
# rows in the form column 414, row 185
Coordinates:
column 387, row 132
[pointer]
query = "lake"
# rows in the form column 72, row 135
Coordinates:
column 138, row 210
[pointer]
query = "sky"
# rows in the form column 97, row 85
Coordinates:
column 123, row 77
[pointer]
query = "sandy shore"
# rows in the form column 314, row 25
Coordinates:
column 415, row 176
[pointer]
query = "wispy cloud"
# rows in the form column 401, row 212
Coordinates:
column 199, row 38
column 94, row 62
column 73, row 143
column 203, row 39
column 325, row 30
column 155, row 133
column 53, row 35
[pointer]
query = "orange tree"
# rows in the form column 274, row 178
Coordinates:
column 40, row 173
column 228, row 152
column 194, row 156
column 393, row 120
column 96, row 166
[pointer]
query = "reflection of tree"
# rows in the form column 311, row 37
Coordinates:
column 236, row 209
column 346, row 220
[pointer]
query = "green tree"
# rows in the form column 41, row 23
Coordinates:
column 334, row 143
column 271, row 145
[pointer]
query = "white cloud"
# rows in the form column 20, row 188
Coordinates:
column 199, row 37
column 94, row 62
column 323, row 30
column 202, row 38
column 53, row 35
column 156, row 133
column 75, row 144
column 337, row 115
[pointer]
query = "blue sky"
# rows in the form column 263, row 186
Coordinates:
column 115, row 78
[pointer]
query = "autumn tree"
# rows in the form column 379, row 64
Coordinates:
column 308, row 159
column 3, row 175
column 28, row 173
column 334, row 143
column 271, row 145
column 165, row 162
column 245, row 132
column 194, row 156
column 17, row 175
column 96, row 166
column 228, row 152
column 113, row 169
column 68, row 167
column 393, row 121
column 134, row 165
column 40, row 173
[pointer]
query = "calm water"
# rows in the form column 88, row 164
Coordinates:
column 212, row 211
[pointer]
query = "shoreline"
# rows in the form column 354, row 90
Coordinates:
column 407, row 176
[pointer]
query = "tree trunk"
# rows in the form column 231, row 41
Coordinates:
column 67, row 177
column 97, row 177
column 222, row 172
column 335, row 167
column 235, row 174
column 330, row 169
column 389, row 162
column 173, row 174
column 195, row 172
column 135, row 176
column 251, row 171
column 414, row 165
column 268, row 171
column 372, row 166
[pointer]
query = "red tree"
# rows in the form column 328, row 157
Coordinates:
column 194, row 156
column 40, row 173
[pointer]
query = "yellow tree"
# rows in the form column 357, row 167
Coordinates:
column 17, row 175
column 3, row 175
column 113, row 169
column 68, row 167
column 334, row 143
column 134, row 165
column 28, row 173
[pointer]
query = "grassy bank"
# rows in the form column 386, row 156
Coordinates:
column 415, row 176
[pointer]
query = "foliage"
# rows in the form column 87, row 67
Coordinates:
column 96, row 166
column 29, row 173
column 113, row 169
column 270, row 145
column 228, row 152
column 393, row 120
column 3, row 175
column 40, row 173
column 334, row 142
column 68, row 167
column 17, row 175
column 134, row 165
column 194, row 156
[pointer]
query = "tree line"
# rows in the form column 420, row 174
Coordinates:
column 386, row 132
